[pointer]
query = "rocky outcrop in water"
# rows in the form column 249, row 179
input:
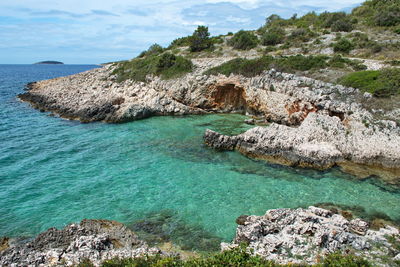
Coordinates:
column 306, row 235
column 95, row 240
column 327, row 124
column 321, row 141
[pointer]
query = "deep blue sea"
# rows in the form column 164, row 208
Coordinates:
column 54, row 171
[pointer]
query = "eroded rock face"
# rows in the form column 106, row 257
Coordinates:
column 303, row 235
column 95, row 96
column 96, row 240
column 321, row 141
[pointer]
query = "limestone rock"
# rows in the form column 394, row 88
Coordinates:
column 302, row 235
column 96, row 240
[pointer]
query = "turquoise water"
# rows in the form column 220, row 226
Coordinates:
column 54, row 171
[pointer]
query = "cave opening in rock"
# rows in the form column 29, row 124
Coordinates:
column 229, row 98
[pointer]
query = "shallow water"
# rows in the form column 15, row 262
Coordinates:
column 54, row 171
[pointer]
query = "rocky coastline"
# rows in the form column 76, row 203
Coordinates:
column 285, row 236
column 313, row 123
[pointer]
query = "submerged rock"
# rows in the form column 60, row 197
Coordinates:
column 95, row 240
column 304, row 235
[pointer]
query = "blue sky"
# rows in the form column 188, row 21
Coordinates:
column 96, row 31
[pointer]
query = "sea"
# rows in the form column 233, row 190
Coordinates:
column 155, row 172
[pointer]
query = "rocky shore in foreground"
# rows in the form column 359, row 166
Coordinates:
column 282, row 235
column 314, row 124
column 94, row 240
column 307, row 235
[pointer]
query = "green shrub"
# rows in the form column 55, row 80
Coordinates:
column 243, row 40
column 389, row 16
column 165, row 65
column 376, row 48
column 383, row 13
column 339, row 260
column 342, row 26
column 381, row 83
column 397, row 31
column 343, row 45
column 85, row 263
column 302, row 34
column 155, row 49
column 179, row 42
column 361, row 40
column 217, row 40
column 200, row 40
column 337, row 61
column 166, row 61
column 232, row 258
column 273, row 36
column 254, row 67
column 393, row 62
column 240, row 66
column 328, row 19
column 270, row 48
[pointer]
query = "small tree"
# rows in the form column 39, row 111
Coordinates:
column 200, row 40
column 243, row 40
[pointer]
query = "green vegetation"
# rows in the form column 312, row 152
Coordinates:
column 340, row 62
column 200, row 40
column 381, row 83
column 384, row 13
column 343, row 46
column 179, row 42
column 253, row 67
column 155, row 49
column 243, row 40
column 165, row 65
column 338, row 260
column 236, row 257
column 273, row 36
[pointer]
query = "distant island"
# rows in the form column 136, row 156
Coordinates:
column 50, row 62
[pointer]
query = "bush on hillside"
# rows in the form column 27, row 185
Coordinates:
column 200, row 40
column 343, row 46
column 179, row 42
column 243, row 40
column 302, row 35
column 342, row 26
column 165, row 65
column 254, row 67
column 273, row 36
column 329, row 18
column 389, row 16
column 155, row 49
column 381, row 83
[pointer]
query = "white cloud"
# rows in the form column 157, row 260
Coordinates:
column 69, row 27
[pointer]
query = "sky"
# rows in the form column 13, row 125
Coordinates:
column 98, row 31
